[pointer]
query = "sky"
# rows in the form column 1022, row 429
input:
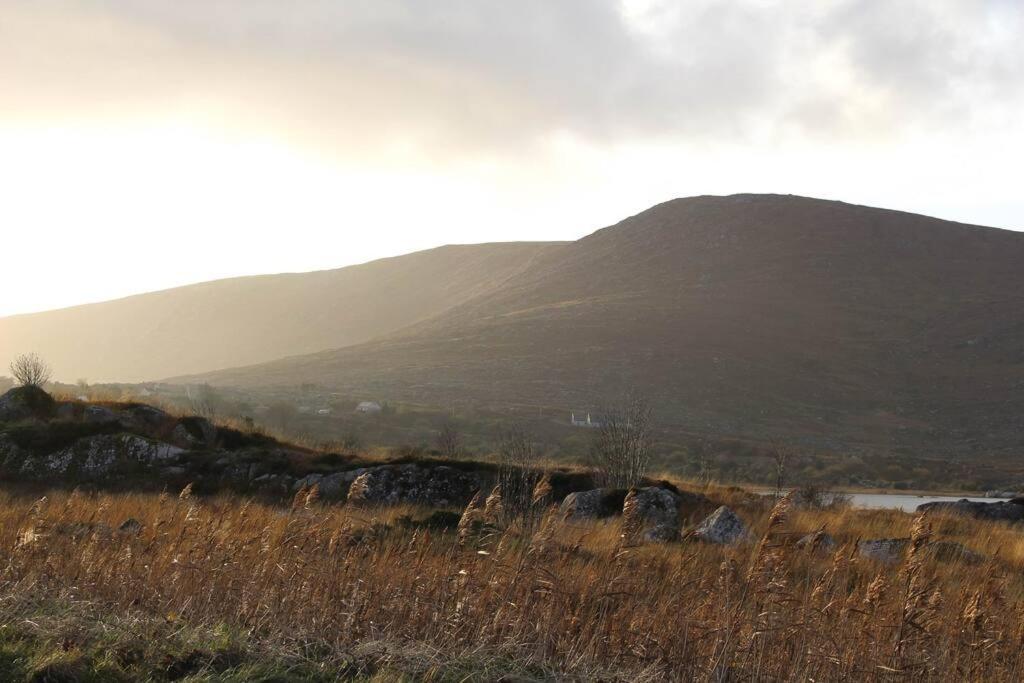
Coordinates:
column 147, row 144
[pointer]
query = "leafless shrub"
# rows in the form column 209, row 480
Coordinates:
column 30, row 370
column 622, row 449
column 518, row 474
column 813, row 497
column 204, row 401
column 449, row 440
column 781, row 457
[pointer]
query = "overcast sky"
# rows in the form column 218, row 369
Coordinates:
column 146, row 144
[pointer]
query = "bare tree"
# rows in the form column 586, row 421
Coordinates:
column 518, row 473
column 281, row 414
column 449, row 440
column 622, row 449
column 204, row 401
column 30, row 370
column 780, row 459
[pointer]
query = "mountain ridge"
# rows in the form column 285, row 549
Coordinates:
column 756, row 315
column 209, row 325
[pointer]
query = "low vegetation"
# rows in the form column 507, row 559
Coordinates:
column 168, row 587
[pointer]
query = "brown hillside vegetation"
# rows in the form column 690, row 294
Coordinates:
column 131, row 587
column 254, row 319
column 826, row 324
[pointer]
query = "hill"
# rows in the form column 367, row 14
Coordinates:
column 246, row 320
column 767, row 317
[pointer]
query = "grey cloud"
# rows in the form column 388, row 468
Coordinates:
column 478, row 76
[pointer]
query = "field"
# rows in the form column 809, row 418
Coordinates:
column 140, row 586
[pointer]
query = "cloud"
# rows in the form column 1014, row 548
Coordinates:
column 484, row 77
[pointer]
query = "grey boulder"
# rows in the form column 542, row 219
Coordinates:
column 721, row 527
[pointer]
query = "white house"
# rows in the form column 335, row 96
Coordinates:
column 369, row 407
column 580, row 422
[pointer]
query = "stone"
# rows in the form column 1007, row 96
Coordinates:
column 721, row 527
column 1002, row 511
column 130, row 527
column 98, row 414
column 656, row 506
column 886, row 550
column 951, row 551
column 437, row 486
column 23, row 403
column 817, row 542
column 593, row 504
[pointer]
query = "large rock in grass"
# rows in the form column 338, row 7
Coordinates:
column 722, row 527
column 436, row 486
column 593, row 504
column 1000, row 512
column 886, row 550
column 951, row 551
column 23, row 403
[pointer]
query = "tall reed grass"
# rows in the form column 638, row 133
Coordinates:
column 566, row 599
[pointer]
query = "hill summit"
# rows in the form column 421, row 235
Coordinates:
column 761, row 316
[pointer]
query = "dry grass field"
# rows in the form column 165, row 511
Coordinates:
column 224, row 589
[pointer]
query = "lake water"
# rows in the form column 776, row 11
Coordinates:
column 907, row 502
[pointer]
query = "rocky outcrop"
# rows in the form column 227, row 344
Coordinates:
column 95, row 457
column 23, row 403
column 886, row 550
column 722, row 527
column 592, row 504
column 438, row 486
column 1000, row 512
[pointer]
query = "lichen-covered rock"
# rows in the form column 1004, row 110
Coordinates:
column 99, row 456
column 438, row 486
column 887, row 550
column 721, row 527
column 22, row 403
column 656, row 506
column 194, row 433
column 1001, row 512
column 593, row 504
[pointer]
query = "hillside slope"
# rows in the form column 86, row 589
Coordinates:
column 829, row 324
column 246, row 320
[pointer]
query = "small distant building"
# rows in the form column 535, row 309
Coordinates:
column 369, row 407
column 587, row 422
